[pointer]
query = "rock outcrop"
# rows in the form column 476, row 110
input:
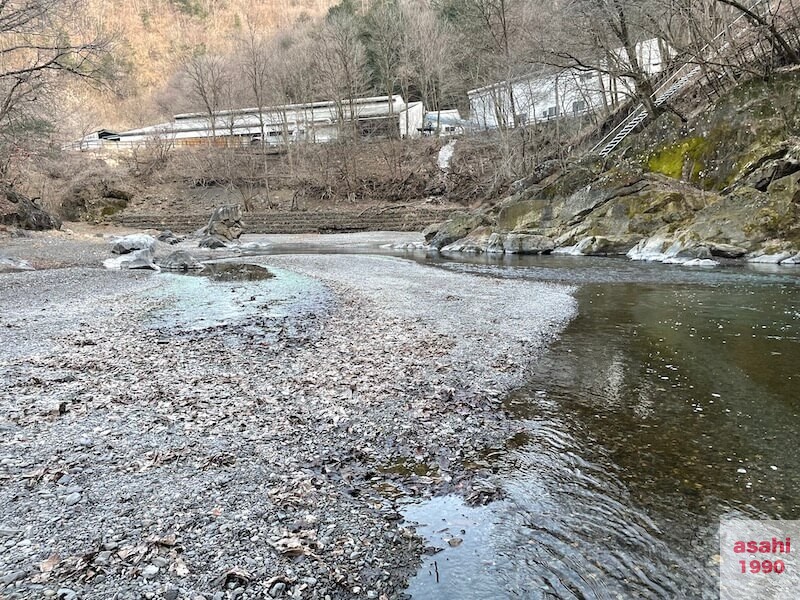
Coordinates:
column 225, row 223
column 20, row 211
column 458, row 227
column 723, row 186
column 95, row 197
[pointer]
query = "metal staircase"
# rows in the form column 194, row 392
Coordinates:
column 673, row 86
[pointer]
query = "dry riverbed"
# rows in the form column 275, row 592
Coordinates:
column 264, row 454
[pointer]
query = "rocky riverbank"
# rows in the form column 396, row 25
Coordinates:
column 265, row 454
column 721, row 184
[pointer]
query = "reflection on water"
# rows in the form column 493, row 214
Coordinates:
column 235, row 271
column 671, row 400
column 461, row 561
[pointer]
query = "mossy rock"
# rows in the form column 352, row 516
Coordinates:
column 512, row 214
column 575, row 178
column 684, row 160
column 456, row 228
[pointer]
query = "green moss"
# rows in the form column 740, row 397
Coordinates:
column 768, row 144
column 568, row 183
column 107, row 211
column 670, row 160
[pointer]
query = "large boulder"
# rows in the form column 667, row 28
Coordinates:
column 523, row 243
column 455, row 229
column 431, row 230
column 137, row 259
column 180, row 260
column 226, row 222
column 130, row 243
column 20, row 211
column 212, row 242
column 474, row 243
column 600, row 245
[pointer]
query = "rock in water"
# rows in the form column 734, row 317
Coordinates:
column 138, row 259
column 168, row 237
column 130, row 243
column 770, row 259
column 453, row 230
column 226, row 222
column 180, row 260
column 20, row 211
column 521, row 243
column 211, row 241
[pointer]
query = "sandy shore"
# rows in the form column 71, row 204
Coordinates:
column 262, row 456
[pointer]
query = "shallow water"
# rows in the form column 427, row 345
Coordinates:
column 235, row 297
column 670, row 401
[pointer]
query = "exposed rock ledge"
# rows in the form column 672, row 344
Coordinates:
column 644, row 216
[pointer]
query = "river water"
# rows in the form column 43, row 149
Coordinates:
column 671, row 401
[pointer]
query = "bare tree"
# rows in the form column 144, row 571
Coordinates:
column 209, row 85
column 41, row 41
column 788, row 52
column 431, row 43
column 386, row 35
column 604, row 36
column 255, row 66
column 341, row 65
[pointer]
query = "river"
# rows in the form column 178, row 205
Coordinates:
column 669, row 402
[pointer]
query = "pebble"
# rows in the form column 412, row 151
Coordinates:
column 66, row 594
column 171, row 594
column 150, row 571
column 12, row 577
column 247, row 495
column 454, row 542
column 72, row 499
column 8, row 532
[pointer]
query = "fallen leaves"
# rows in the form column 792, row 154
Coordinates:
column 303, row 543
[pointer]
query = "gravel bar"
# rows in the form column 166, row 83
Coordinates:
column 264, row 458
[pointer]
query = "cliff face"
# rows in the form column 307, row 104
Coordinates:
column 724, row 184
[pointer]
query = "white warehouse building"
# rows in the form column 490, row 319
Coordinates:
column 312, row 122
column 565, row 93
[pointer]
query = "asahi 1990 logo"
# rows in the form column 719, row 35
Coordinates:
column 757, row 560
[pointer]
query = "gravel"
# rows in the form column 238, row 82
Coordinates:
column 267, row 457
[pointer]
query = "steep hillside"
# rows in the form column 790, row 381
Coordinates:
column 151, row 38
column 724, row 183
